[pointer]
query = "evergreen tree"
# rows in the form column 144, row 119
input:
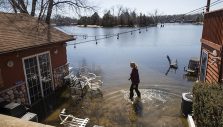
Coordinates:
column 95, row 19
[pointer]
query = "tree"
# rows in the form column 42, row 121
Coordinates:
column 95, row 19
column 155, row 16
column 46, row 7
column 62, row 20
column 133, row 17
column 83, row 21
column 107, row 20
column 123, row 17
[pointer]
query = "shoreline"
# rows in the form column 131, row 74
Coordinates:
column 122, row 26
column 96, row 26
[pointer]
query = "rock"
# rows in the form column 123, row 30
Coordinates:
column 2, row 95
column 14, row 89
column 23, row 87
column 19, row 100
column 23, row 100
column 20, row 93
column 1, row 99
column 12, row 96
column 6, row 97
column 10, row 92
column 16, row 92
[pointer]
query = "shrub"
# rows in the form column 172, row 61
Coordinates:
column 208, row 105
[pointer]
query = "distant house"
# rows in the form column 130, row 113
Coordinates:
column 211, row 69
column 33, row 58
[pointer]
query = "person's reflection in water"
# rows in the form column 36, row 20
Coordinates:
column 138, row 107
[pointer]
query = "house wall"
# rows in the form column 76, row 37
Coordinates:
column 212, row 39
column 14, row 76
column 213, row 27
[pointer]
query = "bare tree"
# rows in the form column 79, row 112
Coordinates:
column 34, row 7
column 120, row 10
column 45, row 8
column 156, row 15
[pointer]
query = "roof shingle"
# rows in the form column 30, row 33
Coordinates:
column 21, row 31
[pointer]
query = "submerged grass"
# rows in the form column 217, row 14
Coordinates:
column 114, row 111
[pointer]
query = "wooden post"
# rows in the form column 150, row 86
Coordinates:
column 208, row 5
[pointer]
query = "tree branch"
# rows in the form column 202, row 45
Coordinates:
column 19, row 5
column 77, row 3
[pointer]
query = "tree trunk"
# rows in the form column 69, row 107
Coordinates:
column 41, row 10
column 33, row 7
column 18, row 6
column 49, row 11
column 23, row 6
column 13, row 6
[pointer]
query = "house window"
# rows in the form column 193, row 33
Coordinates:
column 1, row 79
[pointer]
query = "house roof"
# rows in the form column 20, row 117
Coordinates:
column 21, row 31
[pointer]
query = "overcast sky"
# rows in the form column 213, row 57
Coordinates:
column 148, row 6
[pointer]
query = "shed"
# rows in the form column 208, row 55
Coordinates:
column 33, row 59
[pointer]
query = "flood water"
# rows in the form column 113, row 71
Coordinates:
column 148, row 50
column 161, row 91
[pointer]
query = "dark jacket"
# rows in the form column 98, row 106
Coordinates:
column 134, row 76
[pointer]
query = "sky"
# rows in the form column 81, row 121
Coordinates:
column 164, row 7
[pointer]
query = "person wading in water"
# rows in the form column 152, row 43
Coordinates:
column 134, row 77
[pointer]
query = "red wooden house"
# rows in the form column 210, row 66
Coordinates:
column 33, row 58
column 211, row 70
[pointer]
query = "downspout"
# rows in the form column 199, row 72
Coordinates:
column 220, row 69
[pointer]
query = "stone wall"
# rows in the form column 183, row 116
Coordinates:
column 16, row 93
column 19, row 94
column 59, row 73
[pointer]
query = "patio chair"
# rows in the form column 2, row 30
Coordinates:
column 95, row 87
column 76, row 86
column 83, row 71
column 71, row 121
column 85, row 80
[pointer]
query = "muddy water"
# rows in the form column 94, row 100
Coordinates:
column 161, row 90
column 155, row 108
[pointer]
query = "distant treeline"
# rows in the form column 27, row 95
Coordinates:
column 60, row 20
column 126, row 18
column 181, row 18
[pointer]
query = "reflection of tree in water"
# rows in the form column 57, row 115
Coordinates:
column 83, row 63
column 93, row 68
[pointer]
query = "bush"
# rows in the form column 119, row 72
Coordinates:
column 208, row 105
